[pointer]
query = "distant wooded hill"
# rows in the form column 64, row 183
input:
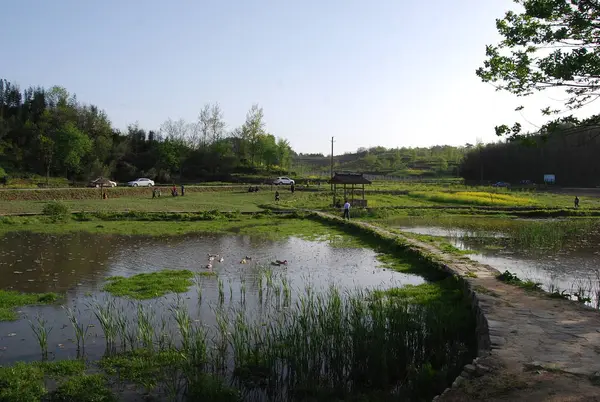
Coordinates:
column 401, row 162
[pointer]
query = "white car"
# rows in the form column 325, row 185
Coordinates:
column 283, row 180
column 141, row 183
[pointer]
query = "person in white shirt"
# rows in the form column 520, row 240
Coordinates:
column 347, row 210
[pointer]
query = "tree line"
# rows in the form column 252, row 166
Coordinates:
column 572, row 156
column 49, row 132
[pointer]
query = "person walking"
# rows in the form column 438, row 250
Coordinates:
column 182, row 190
column 347, row 210
column 576, row 202
column 292, row 188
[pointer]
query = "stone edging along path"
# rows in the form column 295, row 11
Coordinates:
column 531, row 347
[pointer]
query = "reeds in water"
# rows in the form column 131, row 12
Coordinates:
column 313, row 344
column 106, row 314
column 41, row 331
column 80, row 329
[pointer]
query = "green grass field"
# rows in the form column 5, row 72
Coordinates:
column 238, row 199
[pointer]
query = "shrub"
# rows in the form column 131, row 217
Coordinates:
column 56, row 210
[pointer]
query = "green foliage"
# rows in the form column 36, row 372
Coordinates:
column 550, row 43
column 10, row 299
column 71, row 147
column 62, row 368
column 56, row 211
column 83, row 388
column 150, row 285
column 21, row 383
column 47, row 132
column 513, row 279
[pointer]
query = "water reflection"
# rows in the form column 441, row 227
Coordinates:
column 79, row 263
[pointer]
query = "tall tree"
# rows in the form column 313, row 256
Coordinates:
column 217, row 125
column 71, row 146
column 204, row 125
column 548, row 44
column 252, row 130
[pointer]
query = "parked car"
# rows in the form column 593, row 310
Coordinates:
column 501, row 184
column 142, row 182
column 102, row 182
column 283, row 180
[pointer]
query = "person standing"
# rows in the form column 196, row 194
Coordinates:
column 292, row 188
column 347, row 210
column 182, row 190
column 576, row 202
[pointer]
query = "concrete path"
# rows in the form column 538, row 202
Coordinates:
column 540, row 349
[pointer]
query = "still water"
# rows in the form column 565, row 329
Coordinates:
column 78, row 265
column 568, row 268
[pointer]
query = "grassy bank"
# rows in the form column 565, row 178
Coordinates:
column 10, row 300
column 263, row 225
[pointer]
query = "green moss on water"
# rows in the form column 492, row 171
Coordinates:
column 443, row 291
column 9, row 300
column 150, row 285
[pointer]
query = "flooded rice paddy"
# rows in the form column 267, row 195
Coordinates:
column 561, row 255
column 77, row 265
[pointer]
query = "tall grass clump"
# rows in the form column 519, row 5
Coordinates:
column 56, row 211
column 80, row 330
column 41, row 331
column 327, row 345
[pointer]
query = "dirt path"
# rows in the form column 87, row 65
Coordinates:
column 541, row 349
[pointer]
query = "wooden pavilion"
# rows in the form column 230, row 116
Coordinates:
column 354, row 180
column 101, row 183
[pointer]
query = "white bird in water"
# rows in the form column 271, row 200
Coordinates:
column 221, row 259
column 211, row 258
column 209, row 266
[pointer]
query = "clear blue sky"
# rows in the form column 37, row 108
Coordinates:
column 382, row 72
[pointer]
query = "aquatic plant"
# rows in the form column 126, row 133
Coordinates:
column 145, row 325
column 106, row 315
column 84, row 388
column 21, row 382
column 41, row 332
column 184, row 324
column 150, row 285
column 80, row 329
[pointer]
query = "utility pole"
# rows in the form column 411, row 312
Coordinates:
column 332, row 162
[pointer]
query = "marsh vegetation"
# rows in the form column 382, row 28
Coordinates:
column 240, row 331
